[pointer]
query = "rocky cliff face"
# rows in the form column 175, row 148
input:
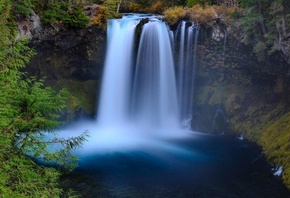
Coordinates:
column 67, row 58
column 77, row 54
column 248, row 92
column 72, row 59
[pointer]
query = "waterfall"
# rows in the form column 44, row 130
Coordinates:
column 141, row 90
column 155, row 95
column 143, row 97
column 114, row 97
column 187, row 38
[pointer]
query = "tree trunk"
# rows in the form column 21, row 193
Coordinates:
column 262, row 20
column 118, row 7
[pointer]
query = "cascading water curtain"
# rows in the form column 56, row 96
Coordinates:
column 145, row 94
column 115, row 90
column 148, row 94
column 155, row 94
column 186, row 39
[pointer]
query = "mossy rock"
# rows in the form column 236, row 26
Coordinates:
column 212, row 119
column 82, row 95
column 275, row 141
column 73, row 107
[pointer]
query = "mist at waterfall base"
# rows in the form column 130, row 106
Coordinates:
column 139, row 146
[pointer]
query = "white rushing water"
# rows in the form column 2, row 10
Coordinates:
column 139, row 104
column 143, row 94
column 186, row 36
column 155, row 96
column 114, row 96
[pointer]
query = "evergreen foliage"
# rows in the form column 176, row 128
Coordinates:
column 22, row 7
column 66, row 12
column 70, row 15
column 112, row 5
column 264, row 22
column 28, row 112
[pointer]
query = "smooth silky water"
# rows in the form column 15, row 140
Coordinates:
column 139, row 146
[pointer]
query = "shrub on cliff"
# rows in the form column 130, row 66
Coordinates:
column 204, row 16
column 69, row 15
column 101, row 15
column 75, row 18
column 174, row 14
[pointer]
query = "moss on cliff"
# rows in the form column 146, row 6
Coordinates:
column 82, row 95
column 275, row 141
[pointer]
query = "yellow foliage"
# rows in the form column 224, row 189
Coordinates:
column 204, row 16
column 100, row 18
column 101, row 15
column 174, row 14
column 158, row 7
column 134, row 7
column 275, row 141
column 201, row 16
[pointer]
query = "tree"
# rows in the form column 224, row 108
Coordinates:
column 265, row 25
column 28, row 111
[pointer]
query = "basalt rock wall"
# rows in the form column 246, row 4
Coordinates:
column 237, row 94
column 63, row 53
column 249, row 93
column 71, row 59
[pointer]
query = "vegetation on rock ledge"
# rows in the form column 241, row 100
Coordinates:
column 275, row 141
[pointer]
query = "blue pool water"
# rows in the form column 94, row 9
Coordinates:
column 196, row 166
